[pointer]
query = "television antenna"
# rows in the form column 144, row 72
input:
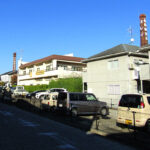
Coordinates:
column 130, row 30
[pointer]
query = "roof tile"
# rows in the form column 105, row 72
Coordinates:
column 49, row 58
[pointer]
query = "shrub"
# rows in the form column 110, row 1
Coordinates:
column 71, row 84
column 32, row 88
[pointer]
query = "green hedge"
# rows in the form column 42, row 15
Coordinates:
column 71, row 84
column 31, row 88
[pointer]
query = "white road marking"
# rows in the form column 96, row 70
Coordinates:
column 63, row 142
column 48, row 133
column 6, row 113
column 28, row 123
column 66, row 146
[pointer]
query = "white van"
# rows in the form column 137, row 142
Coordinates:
column 49, row 101
column 134, row 110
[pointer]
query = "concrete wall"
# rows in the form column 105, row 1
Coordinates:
column 6, row 78
column 109, row 84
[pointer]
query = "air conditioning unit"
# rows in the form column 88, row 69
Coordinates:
column 131, row 66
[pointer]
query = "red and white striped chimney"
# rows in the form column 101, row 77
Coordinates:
column 14, row 61
column 143, row 30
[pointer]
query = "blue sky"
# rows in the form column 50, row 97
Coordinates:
column 38, row 28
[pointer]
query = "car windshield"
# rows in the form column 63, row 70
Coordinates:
column 20, row 88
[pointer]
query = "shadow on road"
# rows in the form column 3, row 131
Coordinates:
column 138, row 139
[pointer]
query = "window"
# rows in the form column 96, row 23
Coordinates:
column 132, row 101
column 38, row 69
column 90, row 97
column 148, row 99
column 73, row 97
column 62, row 96
column 48, row 68
column 85, row 86
column 24, row 72
column 77, row 97
column 30, row 71
column 114, row 89
column 75, row 68
column 46, row 97
column 63, row 66
column 113, row 64
column 54, row 97
column 82, row 97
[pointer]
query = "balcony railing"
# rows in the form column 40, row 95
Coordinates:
column 42, row 72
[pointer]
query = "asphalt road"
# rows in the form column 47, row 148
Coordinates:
column 22, row 130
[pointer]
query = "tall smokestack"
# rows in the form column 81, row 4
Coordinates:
column 143, row 30
column 14, row 61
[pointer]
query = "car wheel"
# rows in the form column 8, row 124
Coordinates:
column 74, row 112
column 103, row 111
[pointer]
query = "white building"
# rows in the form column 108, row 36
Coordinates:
column 41, row 71
column 116, row 71
column 6, row 77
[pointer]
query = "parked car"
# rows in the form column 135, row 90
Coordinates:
column 50, row 101
column 1, row 92
column 134, row 109
column 32, row 95
column 12, row 89
column 19, row 91
column 40, row 95
column 81, row 104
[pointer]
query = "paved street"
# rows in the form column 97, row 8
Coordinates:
column 25, row 130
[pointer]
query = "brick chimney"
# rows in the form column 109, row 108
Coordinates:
column 14, row 61
column 143, row 30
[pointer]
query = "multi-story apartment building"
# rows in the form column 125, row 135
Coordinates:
column 41, row 71
column 116, row 71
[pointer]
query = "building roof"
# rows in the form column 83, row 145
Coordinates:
column 121, row 49
column 49, row 58
column 117, row 49
column 9, row 73
column 145, row 48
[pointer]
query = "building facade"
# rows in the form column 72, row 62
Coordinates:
column 42, row 71
column 7, row 77
column 114, row 72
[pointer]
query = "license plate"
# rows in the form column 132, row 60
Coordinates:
column 128, row 122
column 60, row 105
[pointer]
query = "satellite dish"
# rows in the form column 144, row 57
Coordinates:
column 132, row 39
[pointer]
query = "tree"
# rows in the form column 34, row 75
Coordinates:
column 2, row 83
column 14, row 79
